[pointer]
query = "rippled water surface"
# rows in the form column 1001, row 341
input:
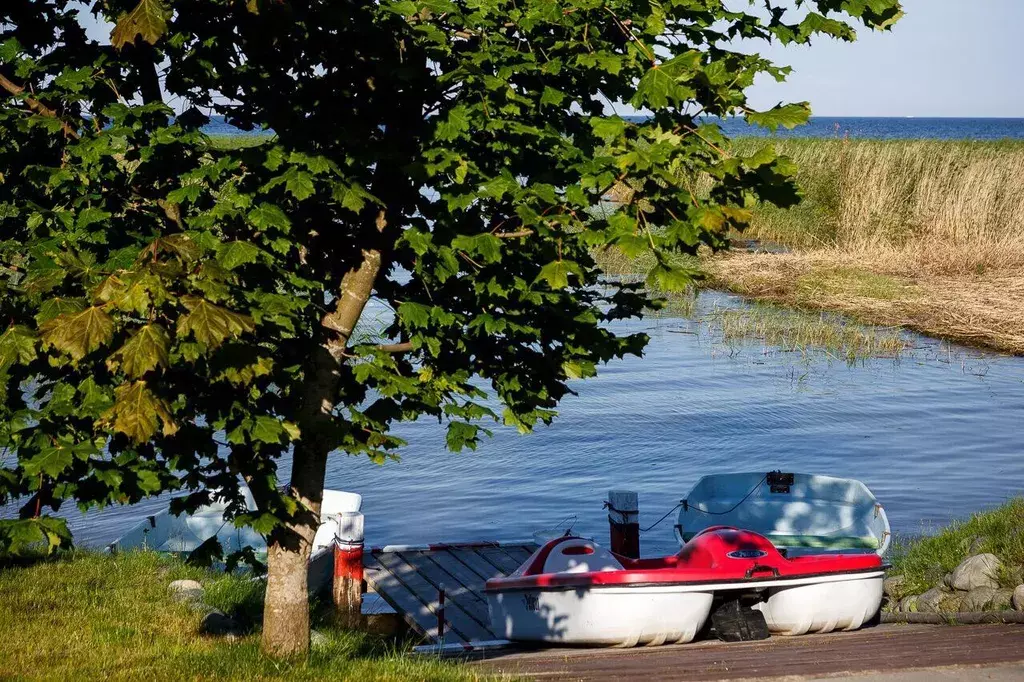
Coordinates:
column 935, row 435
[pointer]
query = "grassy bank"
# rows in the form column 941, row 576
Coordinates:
column 91, row 616
column 1000, row 531
column 923, row 234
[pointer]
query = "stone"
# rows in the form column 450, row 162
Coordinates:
column 908, row 604
column 1018, row 598
column 930, row 600
column 186, row 590
column 947, row 580
column 894, row 587
column 318, row 640
column 220, row 624
column 951, row 602
column 981, row 570
column 986, row 599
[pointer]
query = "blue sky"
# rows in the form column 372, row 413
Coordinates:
column 945, row 58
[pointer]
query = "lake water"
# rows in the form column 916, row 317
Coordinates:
column 935, row 435
column 855, row 127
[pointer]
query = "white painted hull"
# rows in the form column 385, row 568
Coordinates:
column 822, row 607
column 674, row 614
column 608, row 616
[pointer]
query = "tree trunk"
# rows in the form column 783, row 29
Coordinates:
column 286, row 614
column 286, row 606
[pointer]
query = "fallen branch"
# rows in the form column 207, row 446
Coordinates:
column 37, row 106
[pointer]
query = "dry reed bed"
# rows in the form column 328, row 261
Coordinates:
column 923, row 234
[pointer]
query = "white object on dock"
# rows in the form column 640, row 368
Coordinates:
column 797, row 512
column 183, row 533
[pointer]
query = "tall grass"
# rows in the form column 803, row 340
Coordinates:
column 944, row 207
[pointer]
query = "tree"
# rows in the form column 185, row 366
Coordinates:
column 180, row 315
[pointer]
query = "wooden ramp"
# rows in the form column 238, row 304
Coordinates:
column 412, row 578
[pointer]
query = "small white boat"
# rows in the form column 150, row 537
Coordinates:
column 571, row 591
column 181, row 534
column 797, row 512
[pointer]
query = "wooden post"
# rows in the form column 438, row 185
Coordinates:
column 624, row 522
column 348, row 571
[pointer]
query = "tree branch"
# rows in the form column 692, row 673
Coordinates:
column 396, row 347
column 512, row 235
column 37, row 106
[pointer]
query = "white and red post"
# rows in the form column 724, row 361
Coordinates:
column 624, row 522
column 348, row 570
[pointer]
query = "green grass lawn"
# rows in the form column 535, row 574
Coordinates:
column 1000, row 531
column 93, row 616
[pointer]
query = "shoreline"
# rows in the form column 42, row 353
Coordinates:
column 976, row 312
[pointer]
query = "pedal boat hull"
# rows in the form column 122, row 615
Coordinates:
column 572, row 591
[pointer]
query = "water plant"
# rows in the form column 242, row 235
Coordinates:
column 801, row 331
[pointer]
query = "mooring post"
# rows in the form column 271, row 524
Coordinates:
column 624, row 522
column 348, row 570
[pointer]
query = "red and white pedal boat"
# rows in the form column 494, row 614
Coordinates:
column 572, row 591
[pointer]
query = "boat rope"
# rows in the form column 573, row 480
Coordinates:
column 644, row 530
column 735, row 506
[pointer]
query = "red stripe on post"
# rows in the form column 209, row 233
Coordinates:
column 348, row 562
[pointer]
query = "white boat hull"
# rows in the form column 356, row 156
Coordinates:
column 822, row 607
column 607, row 616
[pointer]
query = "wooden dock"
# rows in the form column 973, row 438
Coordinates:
column 412, row 579
column 884, row 651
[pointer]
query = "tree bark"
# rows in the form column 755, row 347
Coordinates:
column 286, row 612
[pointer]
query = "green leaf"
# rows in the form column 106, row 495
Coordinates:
column 668, row 277
column 454, row 125
column 233, row 254
column 657, row 89
column 267, row 430
column 50, row 461
column 78, row 334
column 556, row 273
column 9, row 50
column 148, row 20
column 352, row 197
column 485, row 245
column 147, row 349
column 266, row 216
column 138, row 413
column 608, row 128
column 55, row 307
column 17, row 346
column 788, row 116
column 211, row 324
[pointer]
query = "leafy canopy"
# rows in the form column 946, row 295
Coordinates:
column 164, row 298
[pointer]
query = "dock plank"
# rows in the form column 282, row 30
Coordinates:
column 498, row 557
column 468, row 577
column 518, row 553
column 485, row 569
column 420, row 617
column 455, row 591
column 462, row 623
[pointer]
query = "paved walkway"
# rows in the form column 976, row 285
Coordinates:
column 907, row 653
